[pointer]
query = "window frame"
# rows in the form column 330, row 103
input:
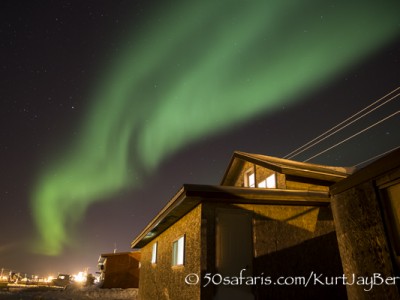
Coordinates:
column 177, row 259
column 265, row 182
column 273, row 175
column 250, row 172
column 154, row 252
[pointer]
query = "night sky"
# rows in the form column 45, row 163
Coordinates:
column 108, row 107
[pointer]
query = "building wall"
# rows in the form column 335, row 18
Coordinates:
column 163, row 281
column 362, row 240
column 287, row 241
column 295, row 241
column 208, row 248
column 299, row 183
column 122, row 271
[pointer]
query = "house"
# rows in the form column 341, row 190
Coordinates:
column 268, row 221
column 366, row 210
column 119, row 270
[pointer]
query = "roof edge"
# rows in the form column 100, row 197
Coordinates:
column 161, row 215
column 283, row 165
column 372, row 171
column 310, row 166
column 193, row 194
column 119, row 253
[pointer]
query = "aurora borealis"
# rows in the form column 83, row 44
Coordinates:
column 195, row 69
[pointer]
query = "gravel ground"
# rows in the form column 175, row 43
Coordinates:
column 70, row 293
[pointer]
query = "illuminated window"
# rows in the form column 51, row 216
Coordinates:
column 269, row 182
column 250, row 178
column 178, row 251
column 154, row 254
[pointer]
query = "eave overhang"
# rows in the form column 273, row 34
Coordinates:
column 189, row 196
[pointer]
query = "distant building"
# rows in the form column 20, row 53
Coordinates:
column 119, row 270
column 269, row 218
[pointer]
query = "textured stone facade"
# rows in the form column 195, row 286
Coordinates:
column 362, row 240
column 162, row 280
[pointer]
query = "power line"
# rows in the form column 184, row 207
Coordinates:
column 321, row 137
column 354, row 135
column 376, row 156
column 331, row 131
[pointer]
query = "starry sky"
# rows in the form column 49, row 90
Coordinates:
column 108, row 107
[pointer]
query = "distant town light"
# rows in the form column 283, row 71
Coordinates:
column 80, row 277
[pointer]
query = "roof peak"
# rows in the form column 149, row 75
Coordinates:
column 289, row 162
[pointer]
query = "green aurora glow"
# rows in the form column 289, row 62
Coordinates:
column 199, row 68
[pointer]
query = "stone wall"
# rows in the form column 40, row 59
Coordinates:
column 288, row 240
column 162, row 280
column 362, row 240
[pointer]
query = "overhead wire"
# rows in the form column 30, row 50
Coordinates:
column 342, row 125
column 376, row 157
column 354, row 135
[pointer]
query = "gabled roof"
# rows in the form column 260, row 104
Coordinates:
column 284, row 166
column 189, row 196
